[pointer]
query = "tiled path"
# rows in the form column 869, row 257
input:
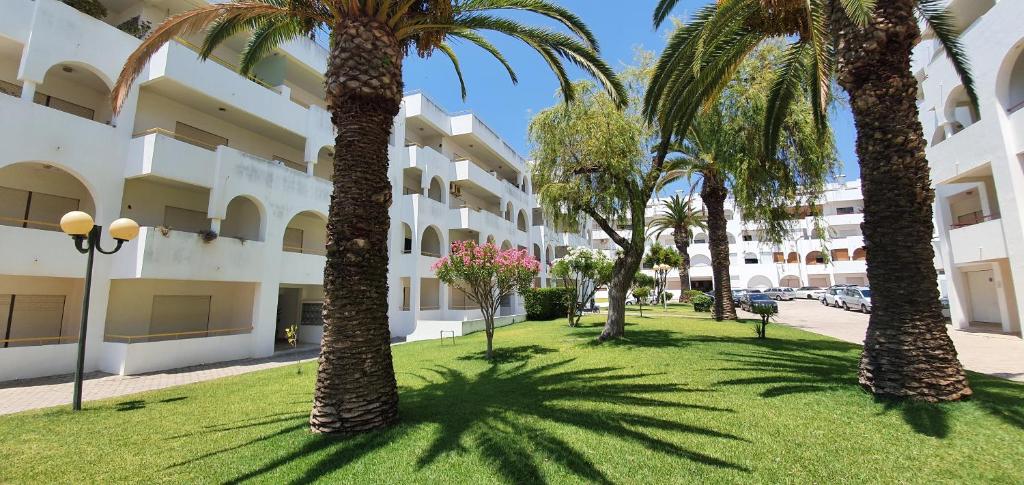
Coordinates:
column 25, row 394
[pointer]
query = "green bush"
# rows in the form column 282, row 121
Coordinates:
column 689, row 295
column 666, row 296
column 546, row 303
column 702, row 303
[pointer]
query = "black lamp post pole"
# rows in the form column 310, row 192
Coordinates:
column 88, row 245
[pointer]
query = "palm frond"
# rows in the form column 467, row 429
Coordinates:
column 484, row 44
column 266, row 38
column 447, row 50
column 547, row 9
column 942, row 23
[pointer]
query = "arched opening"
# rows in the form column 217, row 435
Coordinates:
column 778, row 257
column 536, row 252
column 793, row 257
column 814, row 257
column 406, row 239
column 506, row 245
column 840, row 254
column 790, row 281
column 939, row 136
column 436, row 190
column 699, row 261
column 732, row 239
column 242, row 220
column 522, row 224
column 324, row 166
column 959, row 111
column 966, row 12
column 489, row 239
column 430, row 243
column 728, row 214
column 1015, row 80
column 700, row 238
column 75, row 89
column 508, row 212
column 759, row 282
column 750, row 258
column 306, row 233
column 549, row 255
column 860, row 254
column 36, row 195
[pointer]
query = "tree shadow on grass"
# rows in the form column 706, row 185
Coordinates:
column 511, row 417
column 510, row 354
column 786, row 367
column 135, row 404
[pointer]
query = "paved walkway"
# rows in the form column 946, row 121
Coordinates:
column 25, row 394
column 988, row 353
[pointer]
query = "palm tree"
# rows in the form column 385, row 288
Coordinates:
column 864, row 46
column 680, row 217
column 355, row 385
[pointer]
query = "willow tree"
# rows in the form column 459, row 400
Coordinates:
column 864, row 46
column 721, row 153
column 355, row 386
column 592, row 160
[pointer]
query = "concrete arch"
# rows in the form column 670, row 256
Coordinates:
column 245, row 217
column 509, row 210
column 814, row 257
column 1010, row 78
column 36, row 195
column 751, row 258
column 732, row 238
column 792, row 281
column 523, row 222
column 536, row 252
column 792, row 258
column 506, row 244
column 860, row 254
column 489, row 239
column 432, row 242
column 436, row 191
column 408, row 238
column 306, row 232
column 700, row 260
column 78, row 89
column 700, row 238
column 760, row 282
column 958, row 109
column 549, row 254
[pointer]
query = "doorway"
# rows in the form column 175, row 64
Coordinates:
column 984, row 299
column 288, row 308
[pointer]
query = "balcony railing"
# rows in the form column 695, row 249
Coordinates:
column 225, row 63
column 37, row 341
column 157, row 337
column 971, row 219
column 304, row 250
column 176, row 136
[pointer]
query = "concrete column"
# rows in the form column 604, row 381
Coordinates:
column 215, row 225
column 310, row 165
column 28, row 90
column 956, row 286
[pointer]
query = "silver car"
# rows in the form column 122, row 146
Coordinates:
column 856, row 298
column 781, row 294
column 809, row 292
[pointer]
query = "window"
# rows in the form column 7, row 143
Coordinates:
column 750, row 259
column 31, row 319
column 748, row 237
column 186, row 220
column 200, row 138
column 178, row 314
column 293, row 240
column 844, row 210
column 65, row 106
column 34, row 210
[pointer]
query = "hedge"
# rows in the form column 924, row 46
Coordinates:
column 546, row 303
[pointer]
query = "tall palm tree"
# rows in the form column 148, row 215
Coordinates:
column 355, row 385
column 680, row 217
column 864, row 46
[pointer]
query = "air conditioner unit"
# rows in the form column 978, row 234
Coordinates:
column 454, row 189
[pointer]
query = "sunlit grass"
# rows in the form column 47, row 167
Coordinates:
column 678, row 400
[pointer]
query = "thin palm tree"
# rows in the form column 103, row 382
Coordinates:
column 355, row 386
column 865, row 47
column 680, row 217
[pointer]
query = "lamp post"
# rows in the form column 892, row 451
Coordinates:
column 86, row 234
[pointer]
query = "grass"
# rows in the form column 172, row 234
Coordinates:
column 678, row 400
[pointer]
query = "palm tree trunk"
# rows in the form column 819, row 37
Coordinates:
column 907, row 352
column 355, row 385
column 683, row 246
column 622, row 277
column 713, row 192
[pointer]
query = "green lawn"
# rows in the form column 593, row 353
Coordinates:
column 678, row 400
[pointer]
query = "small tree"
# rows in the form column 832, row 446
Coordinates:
column 662, row 259
column 582, row 270
column 765, row 312
column 292, row 333
column 487, row 275
column 642, row 284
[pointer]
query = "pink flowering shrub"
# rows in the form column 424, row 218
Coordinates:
column 487, row 274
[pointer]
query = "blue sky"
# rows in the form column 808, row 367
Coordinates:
column 620, row 27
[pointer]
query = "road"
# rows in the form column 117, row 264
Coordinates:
column 995, row 354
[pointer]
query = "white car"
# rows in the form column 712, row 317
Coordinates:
column 780, row 294
column 809, row 292
column 831, row 296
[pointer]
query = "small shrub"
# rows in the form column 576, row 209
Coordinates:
column 546, row 303
column 667, row 296
column 689, row 295
column 702, row 303
column 765, row 312
column 136, row 27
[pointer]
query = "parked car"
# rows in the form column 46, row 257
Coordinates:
column 781, row 294
column 944, row 301
column 751, row 300
column 737, row 295
column 809, row 292
column 830, row 297
column 857, row 298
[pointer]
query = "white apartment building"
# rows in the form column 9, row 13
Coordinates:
column 229, row 178
column 804, row 260
column 976, row 159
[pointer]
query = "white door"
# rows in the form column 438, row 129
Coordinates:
column 984, row 299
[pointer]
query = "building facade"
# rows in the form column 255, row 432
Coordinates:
column 229, row 178
column 976, row 159
column 803, row 260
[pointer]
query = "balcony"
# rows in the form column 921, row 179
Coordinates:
column 979, row 242
column 175, row 72
column 484, row 222
column 163, row 154
column 16, row 22
column 160, row 253
column 419, row 105
column 470, row 125
column 967, row 150
column 39, row 252
column 470, row 175
column 429, row 160
column 302, row 268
